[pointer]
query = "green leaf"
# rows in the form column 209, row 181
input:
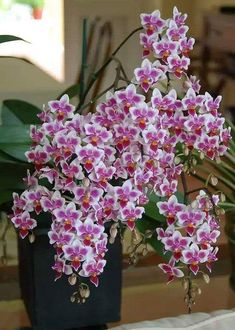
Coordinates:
column 72, row 91
column 24, row 111
column 148, row 224
column 14, row 135
column 6, row 159
column 151, row 209
column 228, row 207
column 8, row 38
column 11, row 179
column 8, row 117
column 11, row 176
column 16, row 150
column 5, row 196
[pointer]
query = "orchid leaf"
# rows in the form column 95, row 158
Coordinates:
column 24, row 111
column 16, row 150
column 146, row 224
column 72, row 91
column 151, row 209
column 228, row 207
column 11, row 176
column 8, row 117
column 6, row 159
column 14, row 135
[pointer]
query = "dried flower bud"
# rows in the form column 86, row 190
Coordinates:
column 148, row 233
column 206, row 278
column 72, row 279
column 84, row 292
column 199, row 291
column 111, row 240
column 185, row 284
column 177, row 160
column 186, row 151
column 32, row 238
column 86, row 182
column 194, row 204
column 135, row 235
column 72, row 298
column 201, row 155
column 145, row 251
column 194, row 162
column 222, row 197
column 214, row 180
column 113, row 231
column 185, row 168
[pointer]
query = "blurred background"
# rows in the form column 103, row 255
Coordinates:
column 54, row 30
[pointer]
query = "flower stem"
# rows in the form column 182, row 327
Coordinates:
column 101, row 69
column 185, row 186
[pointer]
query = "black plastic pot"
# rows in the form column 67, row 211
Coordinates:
column 48, row 302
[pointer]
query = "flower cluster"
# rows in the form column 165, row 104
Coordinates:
column 96, row 168
column 191, row 234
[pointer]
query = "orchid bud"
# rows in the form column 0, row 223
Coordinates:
column 222, row 197
column 111, row 240
column 185, row 284
column 31, row 238
column 214, row 180
column 206, row 278
column 72, row 279
column 135, row 235
column 177, row 160
column 201, row 155
column 148, row 233
column 113, row 231
column 199, row 291
column 86, row 182
column 186, row 151
column 145, row 251
column 194, row 204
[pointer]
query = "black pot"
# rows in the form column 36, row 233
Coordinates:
column 48, row 302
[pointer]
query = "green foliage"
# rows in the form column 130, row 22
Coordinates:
column 8, row 38
column 32, row 3
column 14, row 142
column 224, row 171
column 17, row 111
column 72, row 91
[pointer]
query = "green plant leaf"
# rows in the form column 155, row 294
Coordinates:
column 145, row 224
column 11, row 176
column 6, row 159
column 151, row 209
column 14, row 135
column 227, row 206
column 8, row 117
column 8, row 38
column 24, row 111
column 72, row 91
column 16, row 150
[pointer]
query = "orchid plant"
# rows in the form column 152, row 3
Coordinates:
column 100, row 167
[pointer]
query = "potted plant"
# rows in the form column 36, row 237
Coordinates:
column 36, row 5
column 104, row 168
